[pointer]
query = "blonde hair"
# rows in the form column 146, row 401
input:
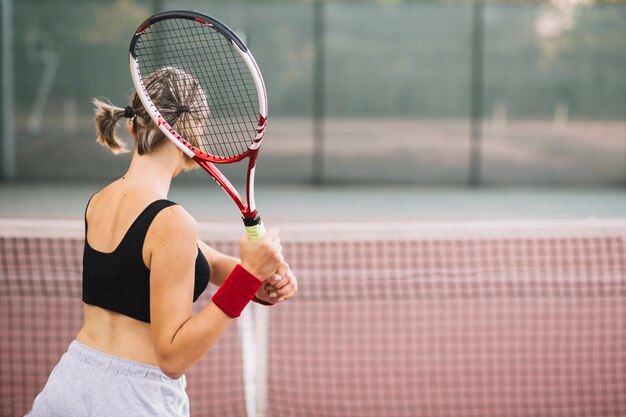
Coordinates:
column 170, row 89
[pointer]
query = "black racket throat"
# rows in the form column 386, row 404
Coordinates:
column 254, row 221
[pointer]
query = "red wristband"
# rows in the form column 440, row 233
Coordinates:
column 236, row 291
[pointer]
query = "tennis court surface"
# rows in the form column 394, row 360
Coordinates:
column 463, row 310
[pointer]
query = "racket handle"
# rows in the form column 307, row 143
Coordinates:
column 254, row 227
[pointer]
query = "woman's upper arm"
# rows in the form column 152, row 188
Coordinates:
column 172, row 244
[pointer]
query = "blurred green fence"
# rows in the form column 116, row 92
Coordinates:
column 436, row 93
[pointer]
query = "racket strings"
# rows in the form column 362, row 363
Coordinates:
column 215, row 83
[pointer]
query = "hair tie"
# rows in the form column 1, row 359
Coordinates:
column 129, row 113
column 182, row 109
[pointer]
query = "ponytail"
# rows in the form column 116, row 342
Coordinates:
column 107, row 116
column 183, row 104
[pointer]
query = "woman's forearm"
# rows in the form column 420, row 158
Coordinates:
column 193, row 339
column 198, row 333
column 221, row 268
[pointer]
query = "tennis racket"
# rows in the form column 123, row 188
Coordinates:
column 233, row 101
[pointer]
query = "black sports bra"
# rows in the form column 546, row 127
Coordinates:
column 120, row 281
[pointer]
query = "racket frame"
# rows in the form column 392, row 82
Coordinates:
column 252, row 221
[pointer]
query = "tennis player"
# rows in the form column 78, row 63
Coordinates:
column 143, row 267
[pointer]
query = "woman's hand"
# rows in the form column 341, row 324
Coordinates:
column 279, row 287
column 261, row 257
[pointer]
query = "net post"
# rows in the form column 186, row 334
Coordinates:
column 261, row 328
column 253, row 326
column 245, row 326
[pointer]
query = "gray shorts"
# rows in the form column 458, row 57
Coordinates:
column 87, row 382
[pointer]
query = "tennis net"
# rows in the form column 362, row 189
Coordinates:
column 446, row 319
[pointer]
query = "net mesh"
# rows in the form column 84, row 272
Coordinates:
column 184, row 62
column 41, row 312
column 432, row 320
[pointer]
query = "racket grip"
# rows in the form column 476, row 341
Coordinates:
column 254, row 227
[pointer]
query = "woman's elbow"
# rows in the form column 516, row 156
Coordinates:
column 172, row 375
column 171, row 367
column 171, row 371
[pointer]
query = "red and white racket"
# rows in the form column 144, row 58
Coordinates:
column 233, row 99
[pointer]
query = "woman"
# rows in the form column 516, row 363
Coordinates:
column 143, row 267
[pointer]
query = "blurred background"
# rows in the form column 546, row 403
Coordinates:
column 449, row 178
column 435, row 93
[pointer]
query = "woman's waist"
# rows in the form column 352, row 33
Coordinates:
column 117, row 335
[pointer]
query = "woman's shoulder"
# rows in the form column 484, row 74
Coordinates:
column 175, row 213
column 174, row 219
column 173, row 232
column 166, row 216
